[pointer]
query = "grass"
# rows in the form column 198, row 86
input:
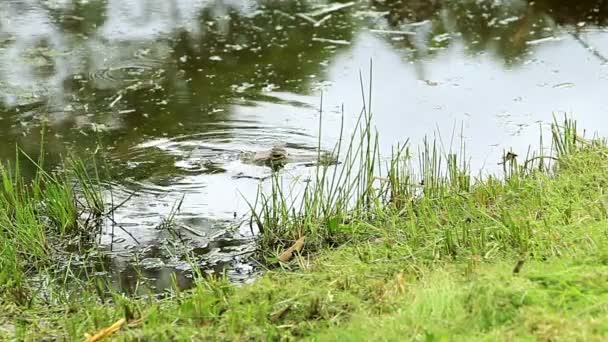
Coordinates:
column 398, row 249
column 440, row 209
column 458, row 258
column 35, row 216
column 362, row 293
column 337, row 194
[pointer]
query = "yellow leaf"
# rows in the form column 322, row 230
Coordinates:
column 105, row 332
column 296, row 247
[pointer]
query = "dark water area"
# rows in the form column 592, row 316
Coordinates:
column 175, row 91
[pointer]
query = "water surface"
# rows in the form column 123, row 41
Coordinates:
column 176, row 90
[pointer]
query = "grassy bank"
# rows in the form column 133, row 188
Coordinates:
column 340, row 296
column 441, row 257
column 40, row 218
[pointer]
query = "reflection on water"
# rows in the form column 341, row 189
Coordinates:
column 177, row 90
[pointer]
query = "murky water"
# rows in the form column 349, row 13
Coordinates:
column 176, row 90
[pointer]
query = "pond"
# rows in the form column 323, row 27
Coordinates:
column 175, row 91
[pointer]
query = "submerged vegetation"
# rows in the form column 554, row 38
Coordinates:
column 423, row 255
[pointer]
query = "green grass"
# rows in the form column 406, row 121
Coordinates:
column 550, row 300
column 363, row 293
column 36, row 215
column 438, row 207
column 458, row 258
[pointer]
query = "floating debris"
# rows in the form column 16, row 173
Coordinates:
column 331, row 41
column 98, row 127
column 331, row 8
column 564, row 85
column 191, row 230
column 404, row 33
column 307, row 18
column 324, row 12
column 116, row 100
column 323, row 20
column 543, row 40
column 241, row 88
column 508, row 20
column 419, row 23
column 270, row 87
column 440, row 38
column 315, row 23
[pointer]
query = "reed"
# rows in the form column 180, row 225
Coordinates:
column 440, row 206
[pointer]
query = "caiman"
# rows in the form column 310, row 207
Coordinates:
column 277, row 157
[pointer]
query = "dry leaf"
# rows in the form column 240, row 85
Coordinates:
column 105, row 332
column 400, row 283
column 296, row 247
